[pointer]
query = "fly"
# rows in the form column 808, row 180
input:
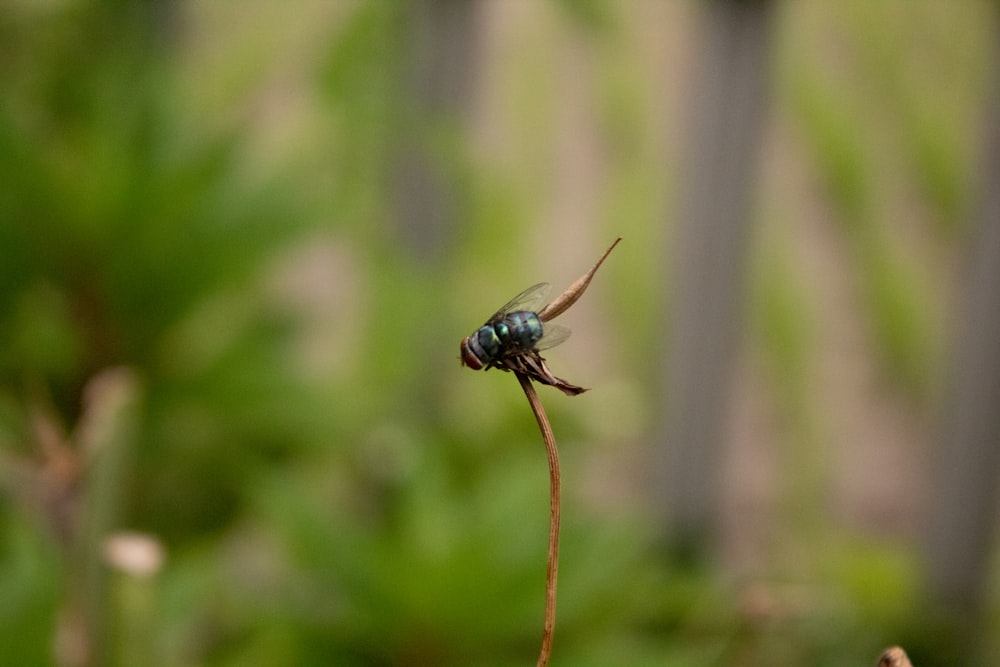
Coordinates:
column 512, row 337
column 514, row 329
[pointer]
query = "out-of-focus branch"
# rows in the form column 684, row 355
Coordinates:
column 894, row 657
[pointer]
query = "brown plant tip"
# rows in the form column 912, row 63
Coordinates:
column 562, row 303
column 894, row 657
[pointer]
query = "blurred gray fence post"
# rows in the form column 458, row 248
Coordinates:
column 727, row 113
column 964, row 487
column 438, row 73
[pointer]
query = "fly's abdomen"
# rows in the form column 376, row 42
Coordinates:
column 521, row 330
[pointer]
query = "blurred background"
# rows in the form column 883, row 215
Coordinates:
column 240, row 243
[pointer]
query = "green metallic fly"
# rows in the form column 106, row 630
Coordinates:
column 512, row 337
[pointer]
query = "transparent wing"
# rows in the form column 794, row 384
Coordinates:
column 530, row 299
column 554, row 335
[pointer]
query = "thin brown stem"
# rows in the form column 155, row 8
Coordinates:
column 554, row 511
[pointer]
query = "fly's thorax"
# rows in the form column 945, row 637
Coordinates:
column 481, row 348
column 489, row 343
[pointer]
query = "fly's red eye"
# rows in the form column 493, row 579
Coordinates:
column 468, row 357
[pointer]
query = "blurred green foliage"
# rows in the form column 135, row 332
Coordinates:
column 332, row 489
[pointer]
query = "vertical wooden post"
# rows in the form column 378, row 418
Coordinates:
column 965, row 488
column 727, row 116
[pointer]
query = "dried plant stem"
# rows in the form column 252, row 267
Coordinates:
column 553, row 563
